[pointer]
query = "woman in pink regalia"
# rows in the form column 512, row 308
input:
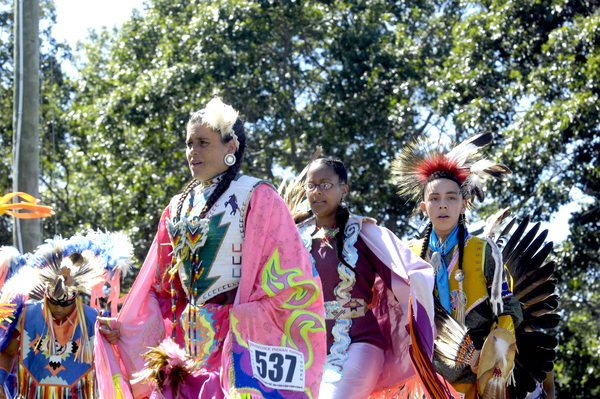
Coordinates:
column 227, row 303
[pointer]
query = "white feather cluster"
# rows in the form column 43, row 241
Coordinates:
column 494, row 223
column 479, row 167
column 501, row 348
column 221, row 117
column 123, row 252
column 8, row 255
column 469, row 148
column 23, row 282
column 118, row 249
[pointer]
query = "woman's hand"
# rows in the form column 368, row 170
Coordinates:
column 111, row 335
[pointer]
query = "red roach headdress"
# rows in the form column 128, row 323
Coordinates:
column 419, row 161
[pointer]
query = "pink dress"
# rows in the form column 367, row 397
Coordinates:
column 274, row 329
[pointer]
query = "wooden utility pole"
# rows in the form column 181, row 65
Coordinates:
column 26, row 153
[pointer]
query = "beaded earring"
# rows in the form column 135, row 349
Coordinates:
column 229, row 159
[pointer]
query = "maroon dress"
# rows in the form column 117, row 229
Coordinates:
column 364, row 329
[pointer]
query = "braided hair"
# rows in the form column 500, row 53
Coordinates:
column 461, row 239
column 426, row 238
column 232, row 172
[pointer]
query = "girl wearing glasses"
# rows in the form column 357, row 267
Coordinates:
column 365, row 271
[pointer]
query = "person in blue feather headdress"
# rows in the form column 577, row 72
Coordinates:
column 44, row 324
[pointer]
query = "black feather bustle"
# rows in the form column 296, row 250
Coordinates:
column 541, row 255
column 524, row 383
column 535, row 339
column 503, row 237
column 508, row 227
column 534, row 278
column 532, row 267
column 539, row 309
column 544, row 322
column 541, row 355
column 524, row 256
column 542, row 292
column 517, row 256
column 532, row 367
column 514, row 240
column 534, row 245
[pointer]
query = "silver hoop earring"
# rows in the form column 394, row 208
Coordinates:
column 229, row 159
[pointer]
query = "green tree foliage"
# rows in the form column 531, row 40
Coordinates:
column 345, row 75
column 528, row 70
column 579, row 282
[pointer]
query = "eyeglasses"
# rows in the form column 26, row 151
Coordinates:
column 322, row 186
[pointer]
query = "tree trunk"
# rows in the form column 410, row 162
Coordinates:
column 26, row 233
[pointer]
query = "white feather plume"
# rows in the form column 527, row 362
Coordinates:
column 26, row 279
column 486, row 168
column 220, row 117
column 494, row 222
column 8, row 255
column 501, row 348
column 462, row 152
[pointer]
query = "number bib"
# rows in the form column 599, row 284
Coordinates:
column 277, row 367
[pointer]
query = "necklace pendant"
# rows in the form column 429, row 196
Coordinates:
column 459, row 275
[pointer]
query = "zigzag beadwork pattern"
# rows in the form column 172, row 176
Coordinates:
column 186, row 232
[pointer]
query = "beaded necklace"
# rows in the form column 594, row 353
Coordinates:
column 325, row 233
column 195, row 265
column 215, row 180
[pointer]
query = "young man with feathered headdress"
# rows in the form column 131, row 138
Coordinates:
column 45, row 325
column 469, row 276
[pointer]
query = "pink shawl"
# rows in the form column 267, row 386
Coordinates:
column 279, row 303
